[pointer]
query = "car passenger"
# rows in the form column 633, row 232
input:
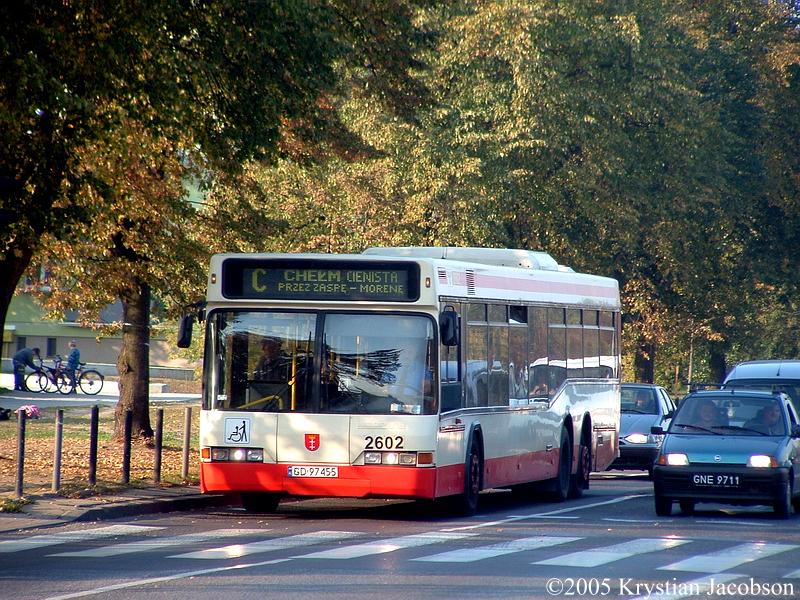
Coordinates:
column 768, row 420
column 706, row 415
column 644, row 402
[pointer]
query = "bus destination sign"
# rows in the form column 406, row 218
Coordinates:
column 320, row 280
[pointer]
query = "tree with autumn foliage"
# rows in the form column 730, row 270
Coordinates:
column 640, row 140
column 99, row 101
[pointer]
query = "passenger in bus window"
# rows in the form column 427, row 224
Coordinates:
column 272, row 364
column 539, row 388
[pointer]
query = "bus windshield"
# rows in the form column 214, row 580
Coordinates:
column 321, row 362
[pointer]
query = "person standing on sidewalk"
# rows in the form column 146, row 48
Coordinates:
column 22, row 359
column 73, row 361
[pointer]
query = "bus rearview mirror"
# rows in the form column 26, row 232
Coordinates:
column 448, row 328
column 185, row 331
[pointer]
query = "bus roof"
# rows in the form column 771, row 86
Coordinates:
column 452, row 273
column 500, row 257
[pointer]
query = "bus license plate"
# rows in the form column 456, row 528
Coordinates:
column 302, row 471
column 715, row 480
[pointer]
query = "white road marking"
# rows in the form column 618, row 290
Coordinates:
column 159, row 543
column 728, row 558
column 483, row 552
column 270, row 545
column 600, row 556
column 141, row 582
column 388, row 545
column 550, row 514
column 64, row 537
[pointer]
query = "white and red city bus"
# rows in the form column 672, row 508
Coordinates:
column 406, row 373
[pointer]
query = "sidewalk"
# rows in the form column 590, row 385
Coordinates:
column 47, row 510
column 108, row 395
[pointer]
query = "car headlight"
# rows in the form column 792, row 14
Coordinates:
column 674, row 459
column 637, row 438
column 762, row 461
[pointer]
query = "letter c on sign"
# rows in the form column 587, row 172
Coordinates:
column 257, row 285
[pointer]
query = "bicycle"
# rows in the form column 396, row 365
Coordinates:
column 90, row 381
column 48, row 379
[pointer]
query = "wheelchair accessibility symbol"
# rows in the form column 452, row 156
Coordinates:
column 237, row 431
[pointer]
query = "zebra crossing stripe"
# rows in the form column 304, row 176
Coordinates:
column 388, row 545
column 270, row 545
column 728, row 558
column 464, row 555
column 606, row 554
column 159, row 543
column 64, row 537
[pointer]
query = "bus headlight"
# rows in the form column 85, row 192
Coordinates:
column 372, row 458
column 232, row 454
column 219, row 454
column 255, row 455
column 406, row 459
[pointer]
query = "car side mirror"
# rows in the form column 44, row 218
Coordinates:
column 657, row 430
column 796, row 431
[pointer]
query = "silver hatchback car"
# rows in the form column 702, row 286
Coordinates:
column 643, row 406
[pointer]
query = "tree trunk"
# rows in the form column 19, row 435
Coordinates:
column 717, row 362
column 133, row 363
column 644, row 362
column 12, row 265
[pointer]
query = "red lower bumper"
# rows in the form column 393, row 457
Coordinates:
column 353, row 481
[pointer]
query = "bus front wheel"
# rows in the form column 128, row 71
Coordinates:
column 467, row 503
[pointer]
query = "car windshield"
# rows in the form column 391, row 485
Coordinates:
column 321, row 362
column 638, row 400
column 729, row 415
column 789, row 387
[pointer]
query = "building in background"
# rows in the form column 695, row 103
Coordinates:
column 27, row 326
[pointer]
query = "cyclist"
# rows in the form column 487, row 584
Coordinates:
column 22, row 359
column 73, row 362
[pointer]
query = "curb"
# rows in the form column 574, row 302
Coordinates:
column 42, row 519
column 134, row 508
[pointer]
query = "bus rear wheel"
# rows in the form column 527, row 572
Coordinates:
column 562, row 481
column 580, row 481
column 260, row 502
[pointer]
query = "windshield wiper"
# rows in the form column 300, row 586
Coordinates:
column 738, row 428
column 697, row 427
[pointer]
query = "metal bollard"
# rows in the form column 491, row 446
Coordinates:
column 21, row 417
column 93, row 427
column 57, row 450
column 126, row 451
column 187, row 441
column 159, row 434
